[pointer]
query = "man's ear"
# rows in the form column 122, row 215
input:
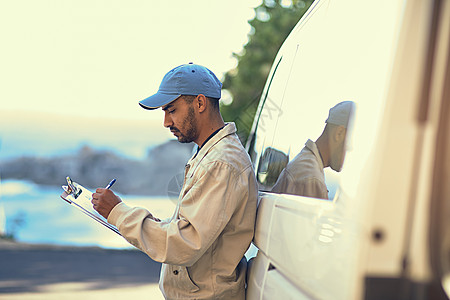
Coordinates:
column 201, row 103
column 339, row 134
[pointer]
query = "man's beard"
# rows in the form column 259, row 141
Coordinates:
column 190, row 126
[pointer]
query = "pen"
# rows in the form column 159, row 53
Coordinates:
column 110, row 184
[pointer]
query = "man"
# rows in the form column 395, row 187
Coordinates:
column 202, row 246
column 304, row 175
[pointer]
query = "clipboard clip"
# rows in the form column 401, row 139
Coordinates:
column 70, row 189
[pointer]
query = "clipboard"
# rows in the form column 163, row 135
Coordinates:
column 80, row 197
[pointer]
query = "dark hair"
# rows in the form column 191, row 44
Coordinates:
column 214, row 101
column 188, row 98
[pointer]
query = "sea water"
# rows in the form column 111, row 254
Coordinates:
column 37, row 214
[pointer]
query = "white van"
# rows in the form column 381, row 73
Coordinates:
column 384, row 232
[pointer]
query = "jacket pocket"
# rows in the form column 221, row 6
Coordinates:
column 177, row 283
column 190, row 284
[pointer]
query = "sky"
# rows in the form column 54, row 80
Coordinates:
column 99, row 57
column 83, row 65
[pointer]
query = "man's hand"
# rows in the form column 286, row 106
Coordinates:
column 104, row 200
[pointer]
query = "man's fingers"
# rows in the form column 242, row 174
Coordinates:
column 97, row 195
column 94, row 197
column 104, row 200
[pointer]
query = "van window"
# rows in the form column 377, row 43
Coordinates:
column 269, row 162
column 314, row 76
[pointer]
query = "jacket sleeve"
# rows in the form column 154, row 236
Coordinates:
column 309, row 187
column 204, row 211
column 283, row 182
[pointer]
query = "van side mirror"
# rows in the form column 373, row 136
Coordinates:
column 271, row 163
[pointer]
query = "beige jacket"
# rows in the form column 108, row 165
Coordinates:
column 304, row 175
column 202, row 246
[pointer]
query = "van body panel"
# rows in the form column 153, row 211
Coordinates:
column 371, row 238
column 420, row 245
column 320, row 253
column 400, row 131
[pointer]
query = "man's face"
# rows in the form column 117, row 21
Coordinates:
column 338, row 155
column 179, row 117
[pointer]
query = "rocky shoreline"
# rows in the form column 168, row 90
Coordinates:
column 154, row 175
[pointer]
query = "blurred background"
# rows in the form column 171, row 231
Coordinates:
column 72, row 73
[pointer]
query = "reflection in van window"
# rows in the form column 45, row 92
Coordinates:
column 304, row 175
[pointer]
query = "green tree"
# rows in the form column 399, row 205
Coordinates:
column 274, row 20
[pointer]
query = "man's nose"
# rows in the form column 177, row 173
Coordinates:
column 167, row 120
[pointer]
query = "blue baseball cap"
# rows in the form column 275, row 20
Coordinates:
column 188, row 79
column 341, row 113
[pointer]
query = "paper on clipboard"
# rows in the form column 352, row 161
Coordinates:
column 81, row 197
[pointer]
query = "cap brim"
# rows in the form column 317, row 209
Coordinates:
column 157, row 100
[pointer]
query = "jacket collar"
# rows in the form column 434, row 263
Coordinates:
column 313, row 148
column 228, row 129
